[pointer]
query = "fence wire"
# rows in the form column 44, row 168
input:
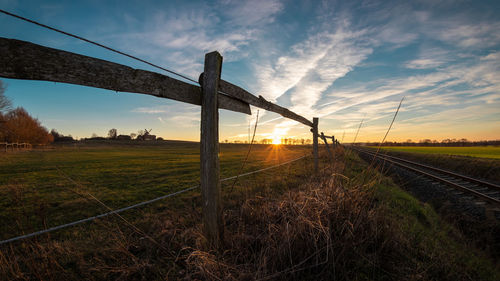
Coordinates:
column 33, row 234
column 99, row 45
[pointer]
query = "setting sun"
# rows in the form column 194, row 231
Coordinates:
column 276, row 140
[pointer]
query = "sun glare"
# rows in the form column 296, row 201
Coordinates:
column 276, row 140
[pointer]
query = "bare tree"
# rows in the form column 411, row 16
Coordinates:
column 5, row 104
column 113, row 133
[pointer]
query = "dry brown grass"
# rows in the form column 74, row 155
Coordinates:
column 328, row 229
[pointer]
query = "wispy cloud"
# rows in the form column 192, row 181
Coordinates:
column 310, row 67
column 182, row 35
column 149, row 110
column 429, row 58
column 341, row 61
column 178, row 115
column 250, row 12
column 303, row 75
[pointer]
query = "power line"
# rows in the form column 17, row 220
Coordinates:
column 97, row 44
column 21, row 237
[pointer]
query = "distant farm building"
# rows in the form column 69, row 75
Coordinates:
column 146, row 136
column 124, row 137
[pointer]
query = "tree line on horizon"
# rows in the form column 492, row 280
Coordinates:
column 17, row 126
column 285, row 141
column 428, row 142
column 113, row 135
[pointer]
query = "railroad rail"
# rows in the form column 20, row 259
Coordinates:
column 482, row 190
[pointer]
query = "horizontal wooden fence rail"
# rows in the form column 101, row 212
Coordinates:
column 25, row 60
column 22, row 60
column 241, row 94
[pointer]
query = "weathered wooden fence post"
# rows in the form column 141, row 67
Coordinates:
column 209, row 152
column 330, row 155
column 333, row 143
column 315, row 142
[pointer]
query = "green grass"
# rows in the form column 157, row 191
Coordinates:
column 42, row 186
column 473, row 151
column 435, row 245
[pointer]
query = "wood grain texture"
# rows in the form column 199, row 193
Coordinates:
column 241, row 94
column 315, row 143
column 209, row 142
column 24, row 60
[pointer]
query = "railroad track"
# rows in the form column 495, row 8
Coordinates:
column 467, row 187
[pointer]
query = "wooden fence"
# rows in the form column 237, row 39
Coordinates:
column 25, row 60
column 4, row 146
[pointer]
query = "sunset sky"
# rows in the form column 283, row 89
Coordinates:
column 341, row 61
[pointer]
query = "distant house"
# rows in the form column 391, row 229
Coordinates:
column 123, row 137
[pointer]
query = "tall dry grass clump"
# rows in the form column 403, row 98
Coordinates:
column 329, row 229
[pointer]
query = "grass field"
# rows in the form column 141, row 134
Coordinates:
column 45, row 188
column 474, row 151
column 346, row 222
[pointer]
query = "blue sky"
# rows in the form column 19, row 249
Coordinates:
column 341, row 61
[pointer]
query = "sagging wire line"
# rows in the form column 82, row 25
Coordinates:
column 95, row 217
column 99, row 45
column 356, row 136
column 264, row 169
column 372, row 163
column 135, row 228
column 385, row 136
column 390, row 126
column 21, row 237
column 248, row 152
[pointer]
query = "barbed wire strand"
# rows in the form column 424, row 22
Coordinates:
column 99, row 45
column 132, row 206
column 264, row 169
column 96, row 217
column 248, row 152
column 135, row 228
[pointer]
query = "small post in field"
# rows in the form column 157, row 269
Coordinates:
column 315, row 143
column 209, row 152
